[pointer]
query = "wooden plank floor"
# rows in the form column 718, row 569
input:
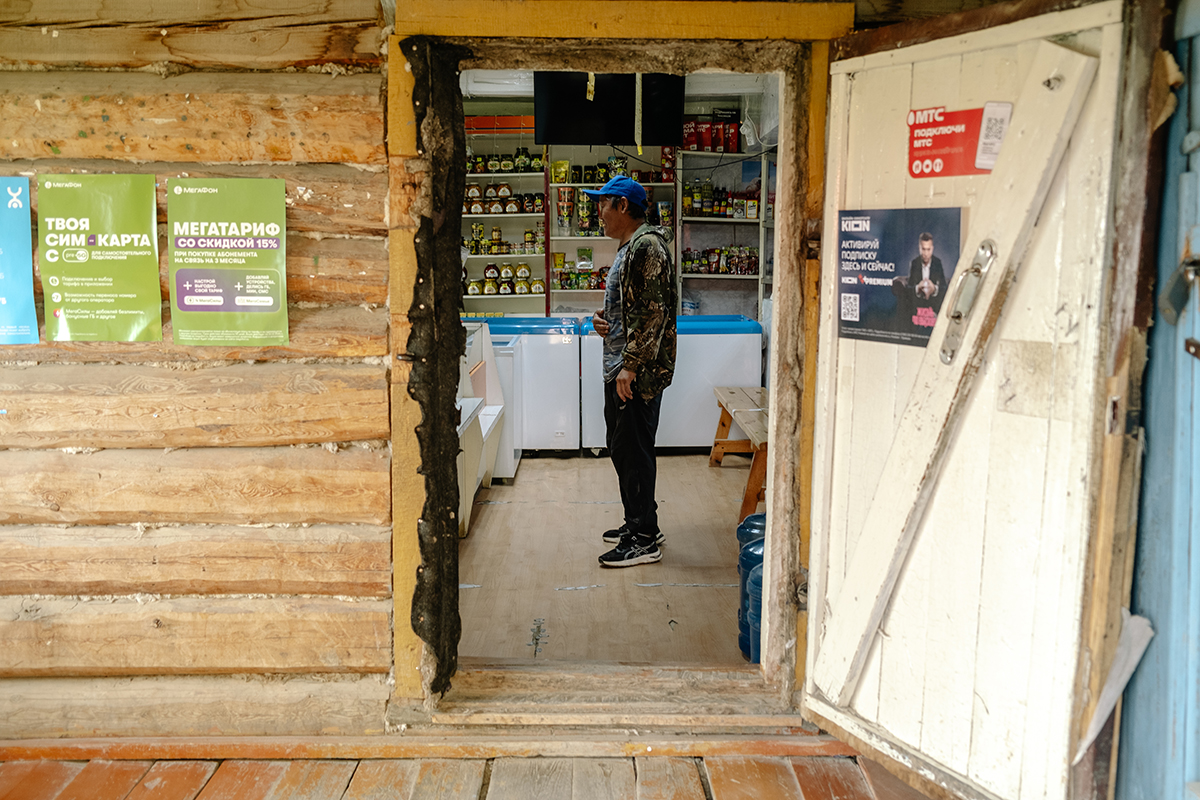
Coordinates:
column 532, row 588
column 642, row 778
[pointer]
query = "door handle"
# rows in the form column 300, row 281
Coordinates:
column 966, row 289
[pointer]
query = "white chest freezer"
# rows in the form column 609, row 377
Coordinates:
column 545, row 376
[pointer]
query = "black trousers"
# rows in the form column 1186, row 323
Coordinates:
column 631, row 428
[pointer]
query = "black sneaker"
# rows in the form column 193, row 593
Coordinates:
column 633, row 549
column 614, row 536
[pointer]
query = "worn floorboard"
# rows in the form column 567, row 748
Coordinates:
column 105, row 780
column 668, row 779
column 752, row 778
column 830, row 778
column 641, row 778
column 174, row 780
column 44, row 780
column 244, row 780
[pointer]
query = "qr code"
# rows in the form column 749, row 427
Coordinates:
column 993, row 127
column 850, row 308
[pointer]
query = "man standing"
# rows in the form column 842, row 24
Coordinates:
column 926, row 277
column 638, row 326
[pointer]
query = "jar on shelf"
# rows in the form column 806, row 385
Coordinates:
column 506, row 287
column 522, row 271
column 506, row 162
column 493, row 163
column 474, row 190
column 535, row 162
column 491, row 286
column 495, row 206
column 491, row 271
column 506, row 272
column 521, row 159
column 512, row 206
column 475, row 287
column 537, row 286
column 521, row 287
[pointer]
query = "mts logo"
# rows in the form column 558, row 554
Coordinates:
column 926, row 116
column 856, row 224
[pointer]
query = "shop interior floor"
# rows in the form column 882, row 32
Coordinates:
column 531, row 586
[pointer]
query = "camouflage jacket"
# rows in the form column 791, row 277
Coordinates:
column 648, row 300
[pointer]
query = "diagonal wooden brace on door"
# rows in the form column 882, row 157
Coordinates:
column 1044, row 117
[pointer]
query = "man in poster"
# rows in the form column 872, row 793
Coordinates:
column 926, row 277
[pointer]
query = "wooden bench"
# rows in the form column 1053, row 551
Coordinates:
column 748, row 408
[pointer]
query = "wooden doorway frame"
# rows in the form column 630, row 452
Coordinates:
column 673, row 36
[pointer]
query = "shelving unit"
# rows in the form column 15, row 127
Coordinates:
column 567, row 241
column 724, row 293
column 512, row 225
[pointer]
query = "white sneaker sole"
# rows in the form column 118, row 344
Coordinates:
column 648, row 558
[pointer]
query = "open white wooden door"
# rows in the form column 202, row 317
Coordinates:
column 952, row 496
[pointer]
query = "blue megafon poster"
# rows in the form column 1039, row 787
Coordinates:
column 894, row 269
column 18, row 317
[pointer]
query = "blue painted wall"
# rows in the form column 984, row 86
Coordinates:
column 1160, row 726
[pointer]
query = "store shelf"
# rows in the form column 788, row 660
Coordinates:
column 598, row 185
column 709, row 154
column 476, row 175
column 530, row 256
column 718, row 276
column 504, row 216
column 531, row 295
column 720, row 220
column 576, row 238
column 577, row 291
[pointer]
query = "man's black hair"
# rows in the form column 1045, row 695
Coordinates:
column 926, row 237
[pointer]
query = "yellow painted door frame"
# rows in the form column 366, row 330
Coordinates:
column 672, row 20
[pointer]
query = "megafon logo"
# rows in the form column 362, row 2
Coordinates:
column 63, row 185
column 856, row 224
column 926, row 115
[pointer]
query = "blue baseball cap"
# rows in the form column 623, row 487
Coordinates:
column 620, row 186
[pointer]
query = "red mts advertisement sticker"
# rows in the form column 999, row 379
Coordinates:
column 945, row 143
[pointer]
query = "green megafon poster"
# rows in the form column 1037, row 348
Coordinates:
column 227, row 251
column 98, row 253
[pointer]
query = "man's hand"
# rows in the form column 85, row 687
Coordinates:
column 625, row 385
column 600, row 323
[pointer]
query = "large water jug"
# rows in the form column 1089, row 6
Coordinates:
column 754, row 615
column 750, row 557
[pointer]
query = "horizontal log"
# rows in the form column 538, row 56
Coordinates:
column 267, row 13
column 347, row 560
column 341, row 332
column 192, row 636
column 323, row 198
column 331, row 271
column 200, row 116
column 243, row 405
column 217, row 485
column 228, row 705
column 239, row 45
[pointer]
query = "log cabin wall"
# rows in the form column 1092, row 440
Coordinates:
column 198, row 540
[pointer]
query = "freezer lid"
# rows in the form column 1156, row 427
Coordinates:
column 701, row 324
column 512, row 326
column 716, row 323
